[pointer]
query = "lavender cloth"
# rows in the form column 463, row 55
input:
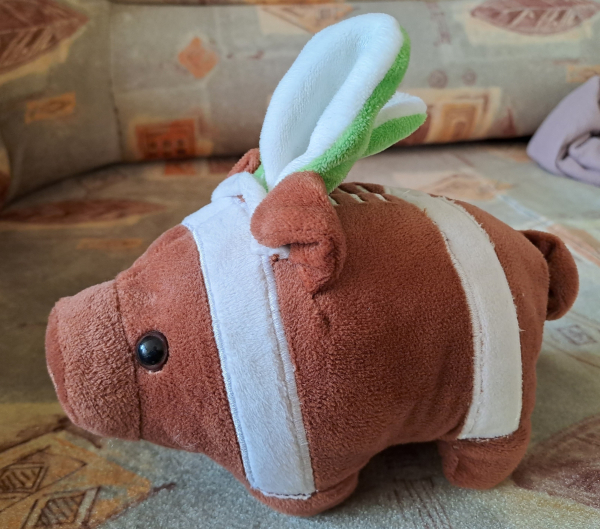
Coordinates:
column 568, row 141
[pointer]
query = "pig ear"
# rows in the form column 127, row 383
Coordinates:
column 564, row 278
column 336, row 103
column 298, row 213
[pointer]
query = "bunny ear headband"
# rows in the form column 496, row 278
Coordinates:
column 336, row 104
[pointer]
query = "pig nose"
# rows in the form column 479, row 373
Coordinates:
column 91, row 364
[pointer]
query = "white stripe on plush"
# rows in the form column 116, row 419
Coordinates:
column 324, row 90
column 495, row 408
column 255, row 361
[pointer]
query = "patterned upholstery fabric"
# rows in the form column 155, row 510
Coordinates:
column 85, row 83
column 84, row 230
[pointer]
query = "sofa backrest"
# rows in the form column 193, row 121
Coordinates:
column 85, row 83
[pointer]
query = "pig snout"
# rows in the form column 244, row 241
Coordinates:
column 91, row 363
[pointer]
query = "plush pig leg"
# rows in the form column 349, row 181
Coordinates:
column 318, row 502
column 483, row 463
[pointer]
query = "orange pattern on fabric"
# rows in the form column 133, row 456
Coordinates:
column 566, row 464
column 50, row 482
column 582, row 242
column 456, row 114
column 50, row 107
column 536, row 17
column 580, row 73
column 198, row 59
column 175, row 139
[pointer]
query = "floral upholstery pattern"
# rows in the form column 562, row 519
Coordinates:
column 85, row 83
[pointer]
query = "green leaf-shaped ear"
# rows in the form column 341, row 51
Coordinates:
column 398, row 119
column 338, row 102
column 392, row 131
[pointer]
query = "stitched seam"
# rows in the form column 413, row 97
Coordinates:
column 220, row 364
column 476, row 324
column 295, row 422
column 476, row 311
column 296, row 414
column 478, row 410
column 224, row 371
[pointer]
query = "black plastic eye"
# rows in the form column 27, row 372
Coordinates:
column 152, row 351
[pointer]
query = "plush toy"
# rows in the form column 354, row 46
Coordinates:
column 295, row 327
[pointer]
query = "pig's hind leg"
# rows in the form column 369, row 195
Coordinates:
column 482, row 463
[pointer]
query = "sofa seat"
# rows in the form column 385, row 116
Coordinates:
column 86, row 229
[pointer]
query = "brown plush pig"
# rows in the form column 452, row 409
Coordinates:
column 294, row 327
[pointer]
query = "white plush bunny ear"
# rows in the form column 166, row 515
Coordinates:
column 338, row 102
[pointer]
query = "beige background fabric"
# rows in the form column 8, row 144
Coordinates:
column 85, row 83
column 85, row 230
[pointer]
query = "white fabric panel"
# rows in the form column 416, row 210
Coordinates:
column 495, row 409
column 324, row 90
column 245, row 185
column 400, row 105
column 255, row 361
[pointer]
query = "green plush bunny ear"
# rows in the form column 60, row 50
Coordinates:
column 398, row 119
column 338, row 102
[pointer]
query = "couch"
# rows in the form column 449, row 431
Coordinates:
column 87, row 87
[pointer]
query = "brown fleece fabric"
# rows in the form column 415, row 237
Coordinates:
column 564, row 279
column 249, row 163
column 184, row 405
column 90, row 363
column 298, row 212
column 384, row 355
column 481, row 464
